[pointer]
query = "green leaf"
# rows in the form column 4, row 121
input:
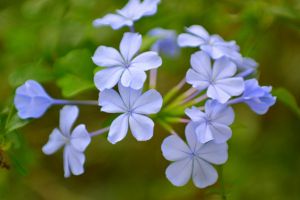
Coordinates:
column 75, row 72
column 15, row 123
column 36, row 71
column 148, row 41
column 284, row 96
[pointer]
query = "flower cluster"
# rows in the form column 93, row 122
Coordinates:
column 219, row 75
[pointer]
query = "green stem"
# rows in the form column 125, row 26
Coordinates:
column 173, row 91
column 221, row 178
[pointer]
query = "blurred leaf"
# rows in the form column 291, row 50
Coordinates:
column 75, row 72
column 148, row 41
column 15, row 123
column 17, row 164
column 36, row 71
column 284, row 96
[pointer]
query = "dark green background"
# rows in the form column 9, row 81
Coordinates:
column 52, row 41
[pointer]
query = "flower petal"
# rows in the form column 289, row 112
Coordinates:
column 75, row 159
column 199, row 31
column 146, row 61
column 216, row 93
column 200, row 62
column 141, row 127
column 111, row 102
column 195, row 114
column 196, row 80
column 221, row 133
column 189, row 40
column 191, row 137
column 179, row 172
column 203, row 173
column 174, row 148
column 68, row 115
column 223, row 68
column 218, row 112
column 204, row 133
column 148, row 103
column 129, row 95
column 232, row 86
column 107, row 57
column 214, row 153
column 55, row 142
column 118, row 129
column 80, row 138
column 113, row 20
column 133, row 78
column 129, row 46
column 108, row 78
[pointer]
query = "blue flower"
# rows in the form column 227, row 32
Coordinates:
column 258, row 98
column 213, row 124
column 134, row 105
column 124, row 66
column 74, row 142
column 31, row 100
column 219, row 80
column 192, row 160
column 167, row 42
column 213, row 45
column 133, row 11
column 247, row 63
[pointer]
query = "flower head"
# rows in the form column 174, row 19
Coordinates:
column 31, row 100
column 213, row 124
column 219, row 80
column 125, row 66
column 134, row 107
column 213, row 45
column 193, row 159
column 74, row 142
column 258, row 98
column 167, row 42
column 133, row 11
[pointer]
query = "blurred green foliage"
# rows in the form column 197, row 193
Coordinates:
column 52, row 42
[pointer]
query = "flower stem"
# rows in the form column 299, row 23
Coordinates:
column 132, row 29
column 174, row 91
column 167, row 127
column 153, row 78
column 99, row 132
column 221, row 178
column 75, row 102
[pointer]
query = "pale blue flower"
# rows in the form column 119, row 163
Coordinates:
column 125, row 67
column 213, row 123
column 167, row 42
column 192, row 160
column 247, row 63
column 133, row 11
column 134, row 107
column 219, row 80
column 213, row 45
column 258, row 98
column 31, row 100
column 74, row 142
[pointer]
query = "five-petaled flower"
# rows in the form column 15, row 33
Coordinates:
column 192, row 159
column 213, row 124
column 124, row 67
column 74, row 142
column 134, row 105
column 31, row 100
column 219, row 80
column 133, row 11
column 258, row 98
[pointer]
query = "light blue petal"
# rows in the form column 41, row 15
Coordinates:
column 200, row 62
column 80, row 138
column 108, row 78
column 216, row 93
column 107, row 57
column 150, row 7
column 68, row 115
column 197, row 80
column 174, row 148
column 113, row 20
column 195, row 114
column 148, row 103
column 199, row 31
column 221, row 133
column 31, row 100
column 146, row 61
column 191, row 137
column 188, row 40
column 55, row 142
column 141, row 127
column 203, row 173
column 134, row 78
column 218, row 112
column 223, row 68
column 111, row 102
column 75, row 160
column 130, row 45
column 179, row 172
column 204, row 132
column 213, row 153
column 129, row 95
column 118, row 129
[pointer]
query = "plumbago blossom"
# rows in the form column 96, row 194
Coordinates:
column 124, row 66
column 218, row 77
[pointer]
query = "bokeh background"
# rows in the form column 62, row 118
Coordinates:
column 52, row 41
